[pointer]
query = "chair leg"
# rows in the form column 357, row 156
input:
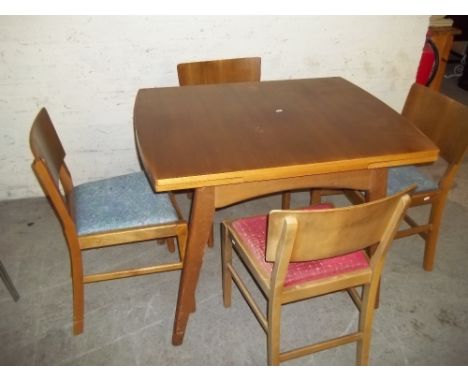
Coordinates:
column 377, row 296
column 286, row 200
column 365, row 323
column 170, row 244
column 78, row 307
column 78, row 289
column 8, row 283
column 226, row 258
column 182, row 236
column 274, row 332
column 315, row 196
column 210, row 242
column 161, row 241
column 435, row 220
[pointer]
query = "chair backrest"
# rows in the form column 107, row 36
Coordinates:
column 49, row 166
column 320, row 234
column 442, row 119
column 45, row 144
column 220, row 71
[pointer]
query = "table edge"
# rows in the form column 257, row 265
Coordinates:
column 283, row 172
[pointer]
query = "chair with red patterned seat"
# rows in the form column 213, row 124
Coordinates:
column 294, row 255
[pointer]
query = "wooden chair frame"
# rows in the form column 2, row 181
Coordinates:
column 310, row 235
column 53, row 175
column 445, row 122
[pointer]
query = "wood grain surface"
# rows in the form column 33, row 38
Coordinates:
column 196, row 136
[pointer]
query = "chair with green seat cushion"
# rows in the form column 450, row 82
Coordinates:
column 112, row 211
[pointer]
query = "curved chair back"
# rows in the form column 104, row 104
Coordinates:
column 50, row 167
column 219, row 71
column 442, row 119
column 321, row 234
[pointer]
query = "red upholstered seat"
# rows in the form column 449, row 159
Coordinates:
column 252, row 231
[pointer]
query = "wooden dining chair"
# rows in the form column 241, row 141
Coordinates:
column 298, row 254
column 445, row 122
column 246, row 69
column 118, row 210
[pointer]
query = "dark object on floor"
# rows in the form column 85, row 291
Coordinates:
column 463, row 80
column 8, row 283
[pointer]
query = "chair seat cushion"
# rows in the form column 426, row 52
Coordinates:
column 400, row 178
column 121, row 202
column 252, row 232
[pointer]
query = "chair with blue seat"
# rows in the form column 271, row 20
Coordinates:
column 445, row 122
column 296, row 255
column 118, row 210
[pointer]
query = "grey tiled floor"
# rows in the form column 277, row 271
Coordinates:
column 422, row 320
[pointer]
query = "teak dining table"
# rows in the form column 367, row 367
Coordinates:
column 233, row 142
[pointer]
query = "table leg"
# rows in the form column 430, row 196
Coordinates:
column 377, row 184
column 201, row 221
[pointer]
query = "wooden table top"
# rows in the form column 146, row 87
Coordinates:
column 196, row 136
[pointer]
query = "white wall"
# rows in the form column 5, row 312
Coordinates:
column 87, row 70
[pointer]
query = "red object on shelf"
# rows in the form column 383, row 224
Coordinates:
column 425, row 65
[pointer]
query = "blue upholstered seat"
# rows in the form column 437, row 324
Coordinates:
column 121, row 202
column 400, row 178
